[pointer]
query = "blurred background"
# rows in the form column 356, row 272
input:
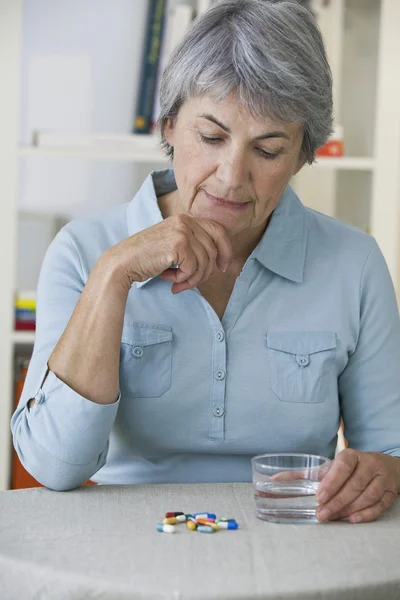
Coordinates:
column 78, row 98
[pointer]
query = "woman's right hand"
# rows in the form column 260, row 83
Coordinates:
column 195, row 245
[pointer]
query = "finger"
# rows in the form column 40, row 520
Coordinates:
column 350, row 491
column 368, row 497
column 220, row 239
column 341, row 469
column 312, row 474
column 371, row 513
column 191, row 270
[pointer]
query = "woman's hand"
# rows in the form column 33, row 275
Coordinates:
column 358, row 485
column 196, row 245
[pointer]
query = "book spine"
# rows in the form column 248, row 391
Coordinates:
column 154, row 32
column 176, row 23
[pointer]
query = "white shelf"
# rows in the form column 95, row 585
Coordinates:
column 348, row 163
column 141, row 155
column 148, row 153
column 23, row 337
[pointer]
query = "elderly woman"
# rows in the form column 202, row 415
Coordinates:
column 214, row 317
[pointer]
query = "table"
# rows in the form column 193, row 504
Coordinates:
column 100, row 542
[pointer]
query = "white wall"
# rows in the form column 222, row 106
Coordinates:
column 81, row 63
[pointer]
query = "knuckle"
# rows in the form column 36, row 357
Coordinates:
column 360, row 484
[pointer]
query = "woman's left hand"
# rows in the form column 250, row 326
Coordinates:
column 358, row 485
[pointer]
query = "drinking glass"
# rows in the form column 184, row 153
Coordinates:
column 285, row 486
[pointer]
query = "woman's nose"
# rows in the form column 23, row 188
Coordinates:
column 233, row 171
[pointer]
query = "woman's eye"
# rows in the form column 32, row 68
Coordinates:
column 267, row 155
column 209, row 140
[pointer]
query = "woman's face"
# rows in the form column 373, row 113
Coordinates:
column 228, row 166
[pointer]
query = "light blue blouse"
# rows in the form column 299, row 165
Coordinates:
column 311, row 333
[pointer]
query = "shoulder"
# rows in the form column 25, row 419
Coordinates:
column 330, row 236
column 102, row 229
column 81, row 242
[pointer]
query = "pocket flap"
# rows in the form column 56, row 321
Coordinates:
column 145, row 334
column 301, row 342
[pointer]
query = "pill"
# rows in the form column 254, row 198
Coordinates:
column 190, row 518
column 205, row 529
column 204, row 515
column 174, row 520
column 173, row 514
column 191, row 525
column 224, row 519
column 213, row 525
column 165, row 528
column 170, row 521
column 206, row 522
column 228, row 525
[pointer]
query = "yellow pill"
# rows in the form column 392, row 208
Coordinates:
column 190, row 525
column 171, row 521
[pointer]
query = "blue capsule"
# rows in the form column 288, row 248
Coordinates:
column 204, row 515
column 228, row 525
column 205, row 529
column 165, row 528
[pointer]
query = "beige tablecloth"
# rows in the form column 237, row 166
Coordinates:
column 101, row 542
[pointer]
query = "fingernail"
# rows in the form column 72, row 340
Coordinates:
column 224, row 267
column 323, row 514
column 322, row 497
column 356, row 519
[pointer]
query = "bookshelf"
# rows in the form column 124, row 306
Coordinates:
column 375, row 164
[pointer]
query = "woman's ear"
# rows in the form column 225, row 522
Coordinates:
column 300, row 163
column 169, row 130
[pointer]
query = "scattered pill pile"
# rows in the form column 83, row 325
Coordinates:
column 202, row 522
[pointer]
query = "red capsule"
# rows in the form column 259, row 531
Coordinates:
column 173, row 514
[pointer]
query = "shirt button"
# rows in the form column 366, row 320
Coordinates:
column 220, row 374
column 138, row 351
column 220, row 336
column 303, row 360
column 218, row 411
column 39, row 398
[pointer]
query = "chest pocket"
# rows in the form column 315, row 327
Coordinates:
column 146, row 360
column 302, row 365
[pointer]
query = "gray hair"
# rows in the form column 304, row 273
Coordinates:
column 270, row 53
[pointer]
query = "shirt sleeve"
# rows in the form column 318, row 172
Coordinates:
column 369, row 386
column 62, row 440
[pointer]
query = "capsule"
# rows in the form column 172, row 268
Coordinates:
column 204, row 515
column 207, row 522
column 173, row 514
column 165, row 528
column 174, row 520
column 190, row 518
column 191, row 525
column 224, row 519
column 228, row 525
column 205, row 529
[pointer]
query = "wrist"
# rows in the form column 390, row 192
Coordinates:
column 109, row 271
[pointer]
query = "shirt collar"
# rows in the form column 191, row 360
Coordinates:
column 282, row 249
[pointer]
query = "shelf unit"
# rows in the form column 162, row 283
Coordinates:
column 383, row 167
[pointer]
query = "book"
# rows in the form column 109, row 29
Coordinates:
column 150, row 60
column 176, row 22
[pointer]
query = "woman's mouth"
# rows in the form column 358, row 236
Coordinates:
column 238, row 206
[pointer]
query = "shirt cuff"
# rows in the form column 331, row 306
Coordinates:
column 68, row 425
